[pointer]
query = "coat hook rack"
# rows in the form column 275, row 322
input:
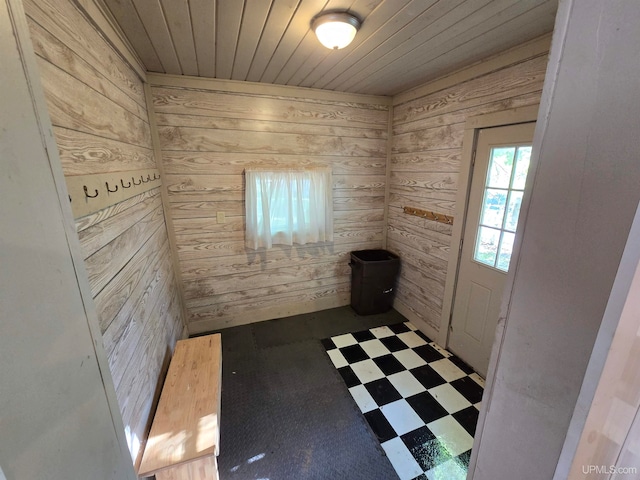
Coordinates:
column 108, row 188
column 429, row 215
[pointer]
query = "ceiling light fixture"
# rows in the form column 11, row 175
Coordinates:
column 335, row 30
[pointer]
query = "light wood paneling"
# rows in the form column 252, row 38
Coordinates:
column 93, row 114
column 98, row 109
column 71, row 28
column 230, row 163
column 208, row 137
column 86, row 154
column 425, row 158
column 254, row 105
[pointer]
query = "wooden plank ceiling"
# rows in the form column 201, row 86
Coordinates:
column 401, row 44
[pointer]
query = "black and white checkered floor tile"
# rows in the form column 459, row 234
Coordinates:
column 420, row 400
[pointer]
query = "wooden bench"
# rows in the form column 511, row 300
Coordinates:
column 185, row 435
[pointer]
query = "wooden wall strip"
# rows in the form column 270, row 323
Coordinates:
column 459, row 116
column 130, row 282
column 281, row 295
column 232, row 86
column 223, row 244
column 129, row 338
column 50, row 48
column 95, row 237
column 106, row 262
column 234, row 163
column 145, row 390
column 522, row 78
column 187, row 139
column 95, row 218
column 284, row 275
column 68, row 24
column 185, row 101
column 538, row 46
column 86, row 154
column 224, row 123
column 90, row 113
column 103, row 18
column 264, row 261
column 322, row 300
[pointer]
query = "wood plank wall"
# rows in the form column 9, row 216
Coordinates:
column 208, row 134
column 97, row 106
column 425, row 160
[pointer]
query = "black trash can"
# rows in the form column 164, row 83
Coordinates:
column 373, row 280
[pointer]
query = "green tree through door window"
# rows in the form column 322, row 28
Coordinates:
column 501, row 202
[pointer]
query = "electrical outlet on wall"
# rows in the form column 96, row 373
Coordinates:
column 220, row 217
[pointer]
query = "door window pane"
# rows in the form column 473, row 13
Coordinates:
column 522, row 167
column 493, row 207
column 501, row 205
column 506, row 248
column 500, row 167
column 513, row 211
column 487, row 245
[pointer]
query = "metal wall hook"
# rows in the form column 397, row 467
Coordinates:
column 123, row 185
column 86, row 192
column 109, row 190
column 134, row 181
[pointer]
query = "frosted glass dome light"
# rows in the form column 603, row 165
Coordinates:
column 335, row 30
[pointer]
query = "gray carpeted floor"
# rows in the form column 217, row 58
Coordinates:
column 286, row 412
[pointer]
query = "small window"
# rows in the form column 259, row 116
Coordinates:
column 503, row 192
column 284, row 207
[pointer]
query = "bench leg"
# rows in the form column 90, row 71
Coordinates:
column 202, row 469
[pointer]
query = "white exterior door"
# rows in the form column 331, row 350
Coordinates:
column 497, row 186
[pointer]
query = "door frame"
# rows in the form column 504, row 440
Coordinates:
column 472, row 126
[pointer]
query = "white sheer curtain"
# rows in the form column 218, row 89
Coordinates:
column 288, row 206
